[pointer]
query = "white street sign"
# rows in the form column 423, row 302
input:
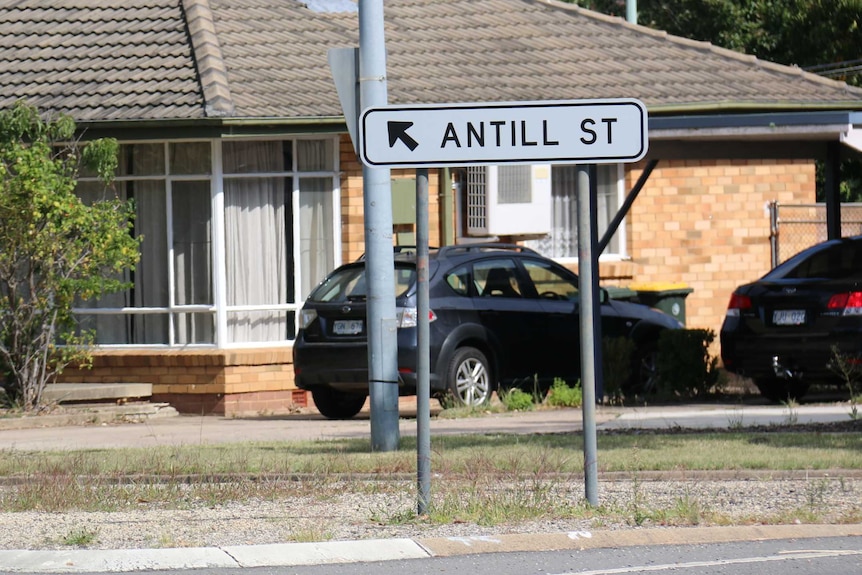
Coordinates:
column 552, row 132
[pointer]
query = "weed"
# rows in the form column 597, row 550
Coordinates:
column 689, row 509
column 815, row 493
column 516, row 399
column 849, row 369
column 734, row 421
column 310, row 535
column 561, row 395
column 792, row 416
column 79, row 537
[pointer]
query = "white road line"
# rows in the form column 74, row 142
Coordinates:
column 789, row 556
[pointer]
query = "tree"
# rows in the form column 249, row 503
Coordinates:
column 54, row 250
column 822, row 36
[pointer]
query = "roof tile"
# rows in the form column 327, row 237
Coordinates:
column 164, row 59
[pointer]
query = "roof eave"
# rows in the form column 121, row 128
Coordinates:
column 213, row 127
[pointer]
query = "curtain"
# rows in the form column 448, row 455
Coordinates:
column 255, row 238
column 316, row 214
column 150, row 276
column 151, row 273
column 191, row 210
column 562, row 241
column 109, row 328
column 317, row 257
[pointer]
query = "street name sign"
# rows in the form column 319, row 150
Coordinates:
column 545, row 132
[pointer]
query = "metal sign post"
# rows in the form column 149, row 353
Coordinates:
column 583, row 132
column 379, row 270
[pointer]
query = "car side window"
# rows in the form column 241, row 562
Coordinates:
column 496, row 278
column 549, row 282
column 459, row 280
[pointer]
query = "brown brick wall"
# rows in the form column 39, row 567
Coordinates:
column 225, row 382
column 704, row 223
column 352, row 223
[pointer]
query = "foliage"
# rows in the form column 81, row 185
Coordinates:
column 562, row 395
column 805, row 33
column 848, row 367
column 685, row 366
column 516, row 399
column 822, row 36
column 54, row 249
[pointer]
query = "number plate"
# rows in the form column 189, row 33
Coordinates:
column 347, row 326
column 788, row 317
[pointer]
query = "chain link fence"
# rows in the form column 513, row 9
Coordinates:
column 794, row 227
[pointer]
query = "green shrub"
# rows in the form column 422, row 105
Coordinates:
column 685, row 367
column 562, row 395
column 617, row 359
column 516, row 399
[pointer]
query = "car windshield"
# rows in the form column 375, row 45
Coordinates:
column 840, row 261
column 348, row 284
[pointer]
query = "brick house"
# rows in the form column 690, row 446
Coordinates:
column 248, row 190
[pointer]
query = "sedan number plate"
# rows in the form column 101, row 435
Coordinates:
column 788, row 317
column 347, row 326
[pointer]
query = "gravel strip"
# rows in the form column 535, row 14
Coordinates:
column 375, row 512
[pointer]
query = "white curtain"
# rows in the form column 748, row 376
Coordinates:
column 317, row 257
column 562, row 241
column 109, row 328
column 255, row 237
column 190, row 207
column 316, row 214
column 150, row 277
column 151, row 273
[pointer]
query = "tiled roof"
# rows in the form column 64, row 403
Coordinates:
column 104, row 60
column 161, row 59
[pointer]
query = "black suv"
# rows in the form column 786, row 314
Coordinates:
column 501, row 316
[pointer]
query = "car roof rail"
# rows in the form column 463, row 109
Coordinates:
column 484, row 247
column 408, row 250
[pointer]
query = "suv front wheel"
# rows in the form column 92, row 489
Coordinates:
column 335, row 404
column 468, row 378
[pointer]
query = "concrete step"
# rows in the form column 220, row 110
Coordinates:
column 89, row 414
column 90, row 392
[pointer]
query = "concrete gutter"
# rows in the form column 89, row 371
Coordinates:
column 339, row 552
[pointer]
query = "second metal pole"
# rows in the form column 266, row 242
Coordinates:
column 589, row 322
column 423, row 361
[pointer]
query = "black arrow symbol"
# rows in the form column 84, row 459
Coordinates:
column 398, row 131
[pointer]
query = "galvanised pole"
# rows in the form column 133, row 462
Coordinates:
column 590, row 338
column 377, row 204
column 423, row 360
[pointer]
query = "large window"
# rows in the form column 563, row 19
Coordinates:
column 233, row 279
column 562, row 241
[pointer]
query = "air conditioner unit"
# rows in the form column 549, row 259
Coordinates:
column 508, row 200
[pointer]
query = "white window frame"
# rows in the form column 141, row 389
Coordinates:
column 219, row 307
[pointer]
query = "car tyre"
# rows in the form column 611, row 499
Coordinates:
column 778, row 390
column 335, row 404
column 468, row 378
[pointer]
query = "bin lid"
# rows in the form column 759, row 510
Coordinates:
column 660, row 286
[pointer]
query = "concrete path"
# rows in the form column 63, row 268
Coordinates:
column 187, row 429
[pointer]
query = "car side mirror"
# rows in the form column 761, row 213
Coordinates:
column 604, row 295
